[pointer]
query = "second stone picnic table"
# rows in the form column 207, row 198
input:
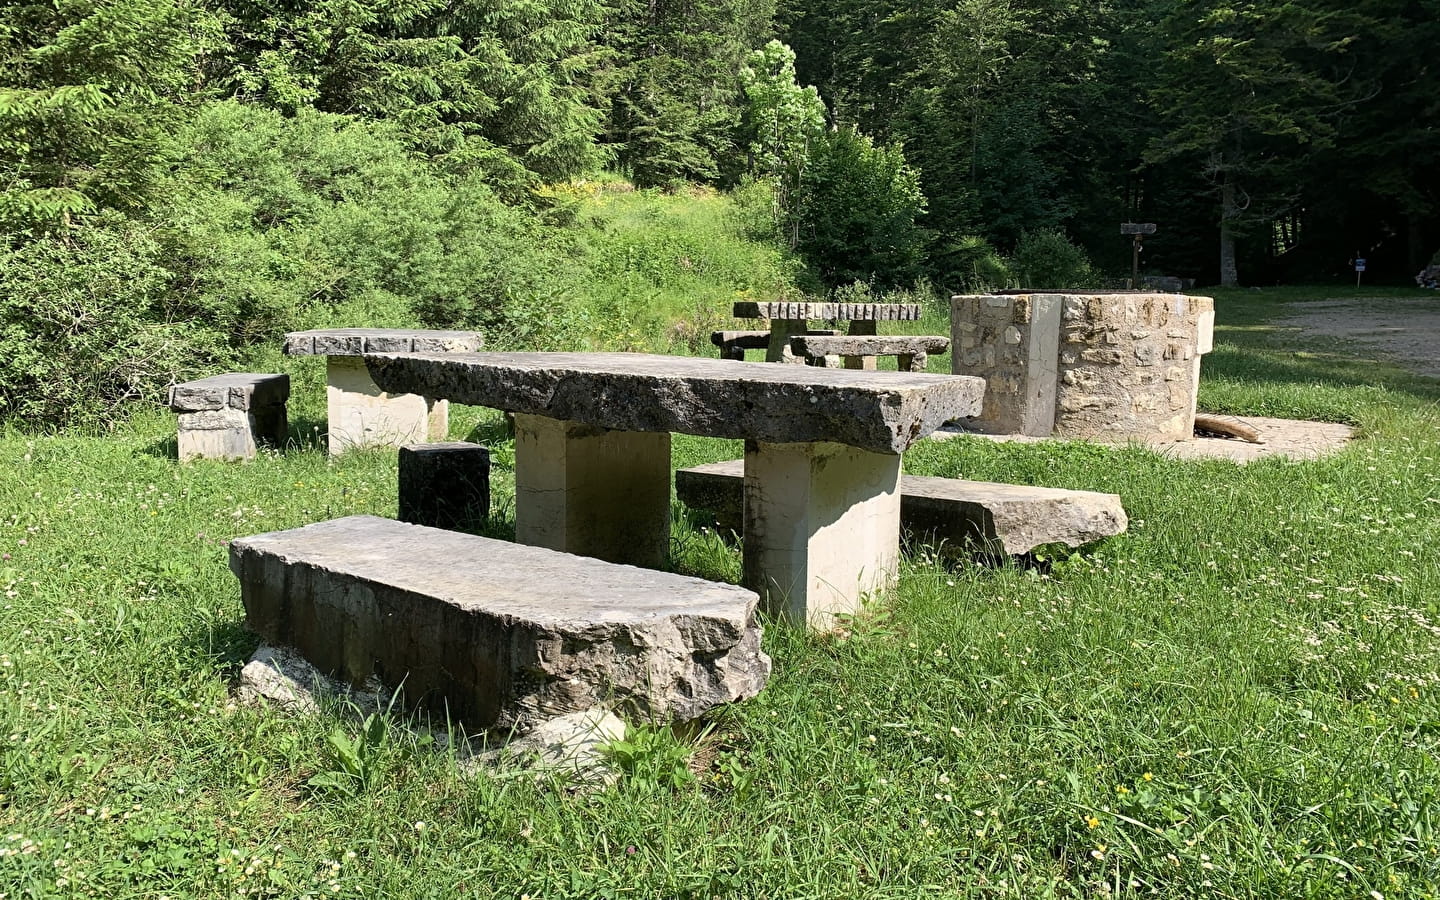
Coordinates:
column 593, row 469
column 789, row 319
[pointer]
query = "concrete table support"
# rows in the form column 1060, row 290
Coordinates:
column 822, row 528
column 592, row 461
column 592, row 491
column 360, row 414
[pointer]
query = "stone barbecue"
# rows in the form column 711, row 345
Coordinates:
column 1109, row 366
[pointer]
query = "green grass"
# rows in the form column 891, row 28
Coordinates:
column 1237, row 698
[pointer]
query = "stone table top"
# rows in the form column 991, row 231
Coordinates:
column 883, row 412
column 855, row 312
column 357, row 341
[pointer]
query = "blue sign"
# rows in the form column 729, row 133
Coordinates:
column 1359, row 265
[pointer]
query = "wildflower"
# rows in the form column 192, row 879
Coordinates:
column 1092, row 822
column 1148, row 776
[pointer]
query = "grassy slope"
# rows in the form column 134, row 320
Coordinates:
column 1237, row 698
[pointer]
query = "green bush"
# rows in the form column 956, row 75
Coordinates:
column 856, row 207
column 1046, row 259
column 968, row 263
column 279, row 223
column 86, row 324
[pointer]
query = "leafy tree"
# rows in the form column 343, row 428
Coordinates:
column 90, row 91
column 785, row 120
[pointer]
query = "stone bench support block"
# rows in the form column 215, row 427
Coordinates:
column 815, row 546
column 592, row 491
column 444, row 485
column 965, row 515
column 498, row 634
column 361, row 414
column 228, row 416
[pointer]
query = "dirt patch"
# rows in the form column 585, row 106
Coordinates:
column 1288, row 438
column 1403, row 330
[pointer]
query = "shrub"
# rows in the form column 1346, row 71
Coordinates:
column 86, row 324
column 969, row 263
column 857, row 205
column 1046, row 259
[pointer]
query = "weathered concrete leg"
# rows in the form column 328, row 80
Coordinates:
column 216, row 434
column 444, row 485
column 780, row 332
column 362, row 415
column 822, row 528
column 912, row 362
column 865, row 327
column 591, row 491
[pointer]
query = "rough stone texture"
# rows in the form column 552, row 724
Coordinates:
column 884, row 412
column 912, row 350
column 977, row 516
column 571, row 746
column 1285, row 438
column 359, row 341
column 498, row 634
column 875, row 312
column 822, row 528
column 444, row 485
column 228, row 416
column 1098, row 365
column 281, row 677
column 592, row 491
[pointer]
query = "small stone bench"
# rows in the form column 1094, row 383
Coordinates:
column 228, row 416
column 444, row 485
column 359, row 413
column 912, row 352
column 498, row 634
column 978, row 516
column 733, row 344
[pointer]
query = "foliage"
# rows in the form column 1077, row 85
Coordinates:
column 494, row 86
column 651, row 754
column 89, row 323
column 785, row 121
column 1047, row 259
column 89, row 93
column 856, row 207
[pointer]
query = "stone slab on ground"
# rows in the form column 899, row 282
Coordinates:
column 359, row 341
column 884, row 412
column 498, row 634
column 233, row 390
column 1288, row 438
column 972, row 515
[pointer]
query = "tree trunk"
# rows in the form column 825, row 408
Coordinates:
column 1229, row 275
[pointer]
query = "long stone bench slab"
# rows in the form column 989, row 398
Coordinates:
column 912, row 352
column 498, row 634
column 592, row 457
column 360, row 414
column 972, row 515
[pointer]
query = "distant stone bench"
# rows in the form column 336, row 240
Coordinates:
column 789, row 318
column 228, row 416
column 912, row 352
column 733, row 344
column 498, row 634
column 975, row 516
column 359, row 413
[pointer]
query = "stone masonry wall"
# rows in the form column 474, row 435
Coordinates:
column 1108, row 366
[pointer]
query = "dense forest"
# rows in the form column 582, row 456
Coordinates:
column 182, row 178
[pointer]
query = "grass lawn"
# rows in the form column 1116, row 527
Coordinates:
column 1240, row 697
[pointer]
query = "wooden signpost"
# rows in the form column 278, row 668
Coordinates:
column 1139, row 230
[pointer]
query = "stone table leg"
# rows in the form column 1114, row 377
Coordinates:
column 362, row 415
column 865, row 327
column 822, row 528
column 781, row 331
column 592, row 491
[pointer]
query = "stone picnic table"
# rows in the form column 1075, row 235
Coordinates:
column 790, row 319
column 593, row 470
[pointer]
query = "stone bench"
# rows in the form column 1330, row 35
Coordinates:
column 912, row 352
column 733, row 344
column 789, row 318
column 975, row 516
column 227, row 416
column 498, row 634
column 360, row 414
